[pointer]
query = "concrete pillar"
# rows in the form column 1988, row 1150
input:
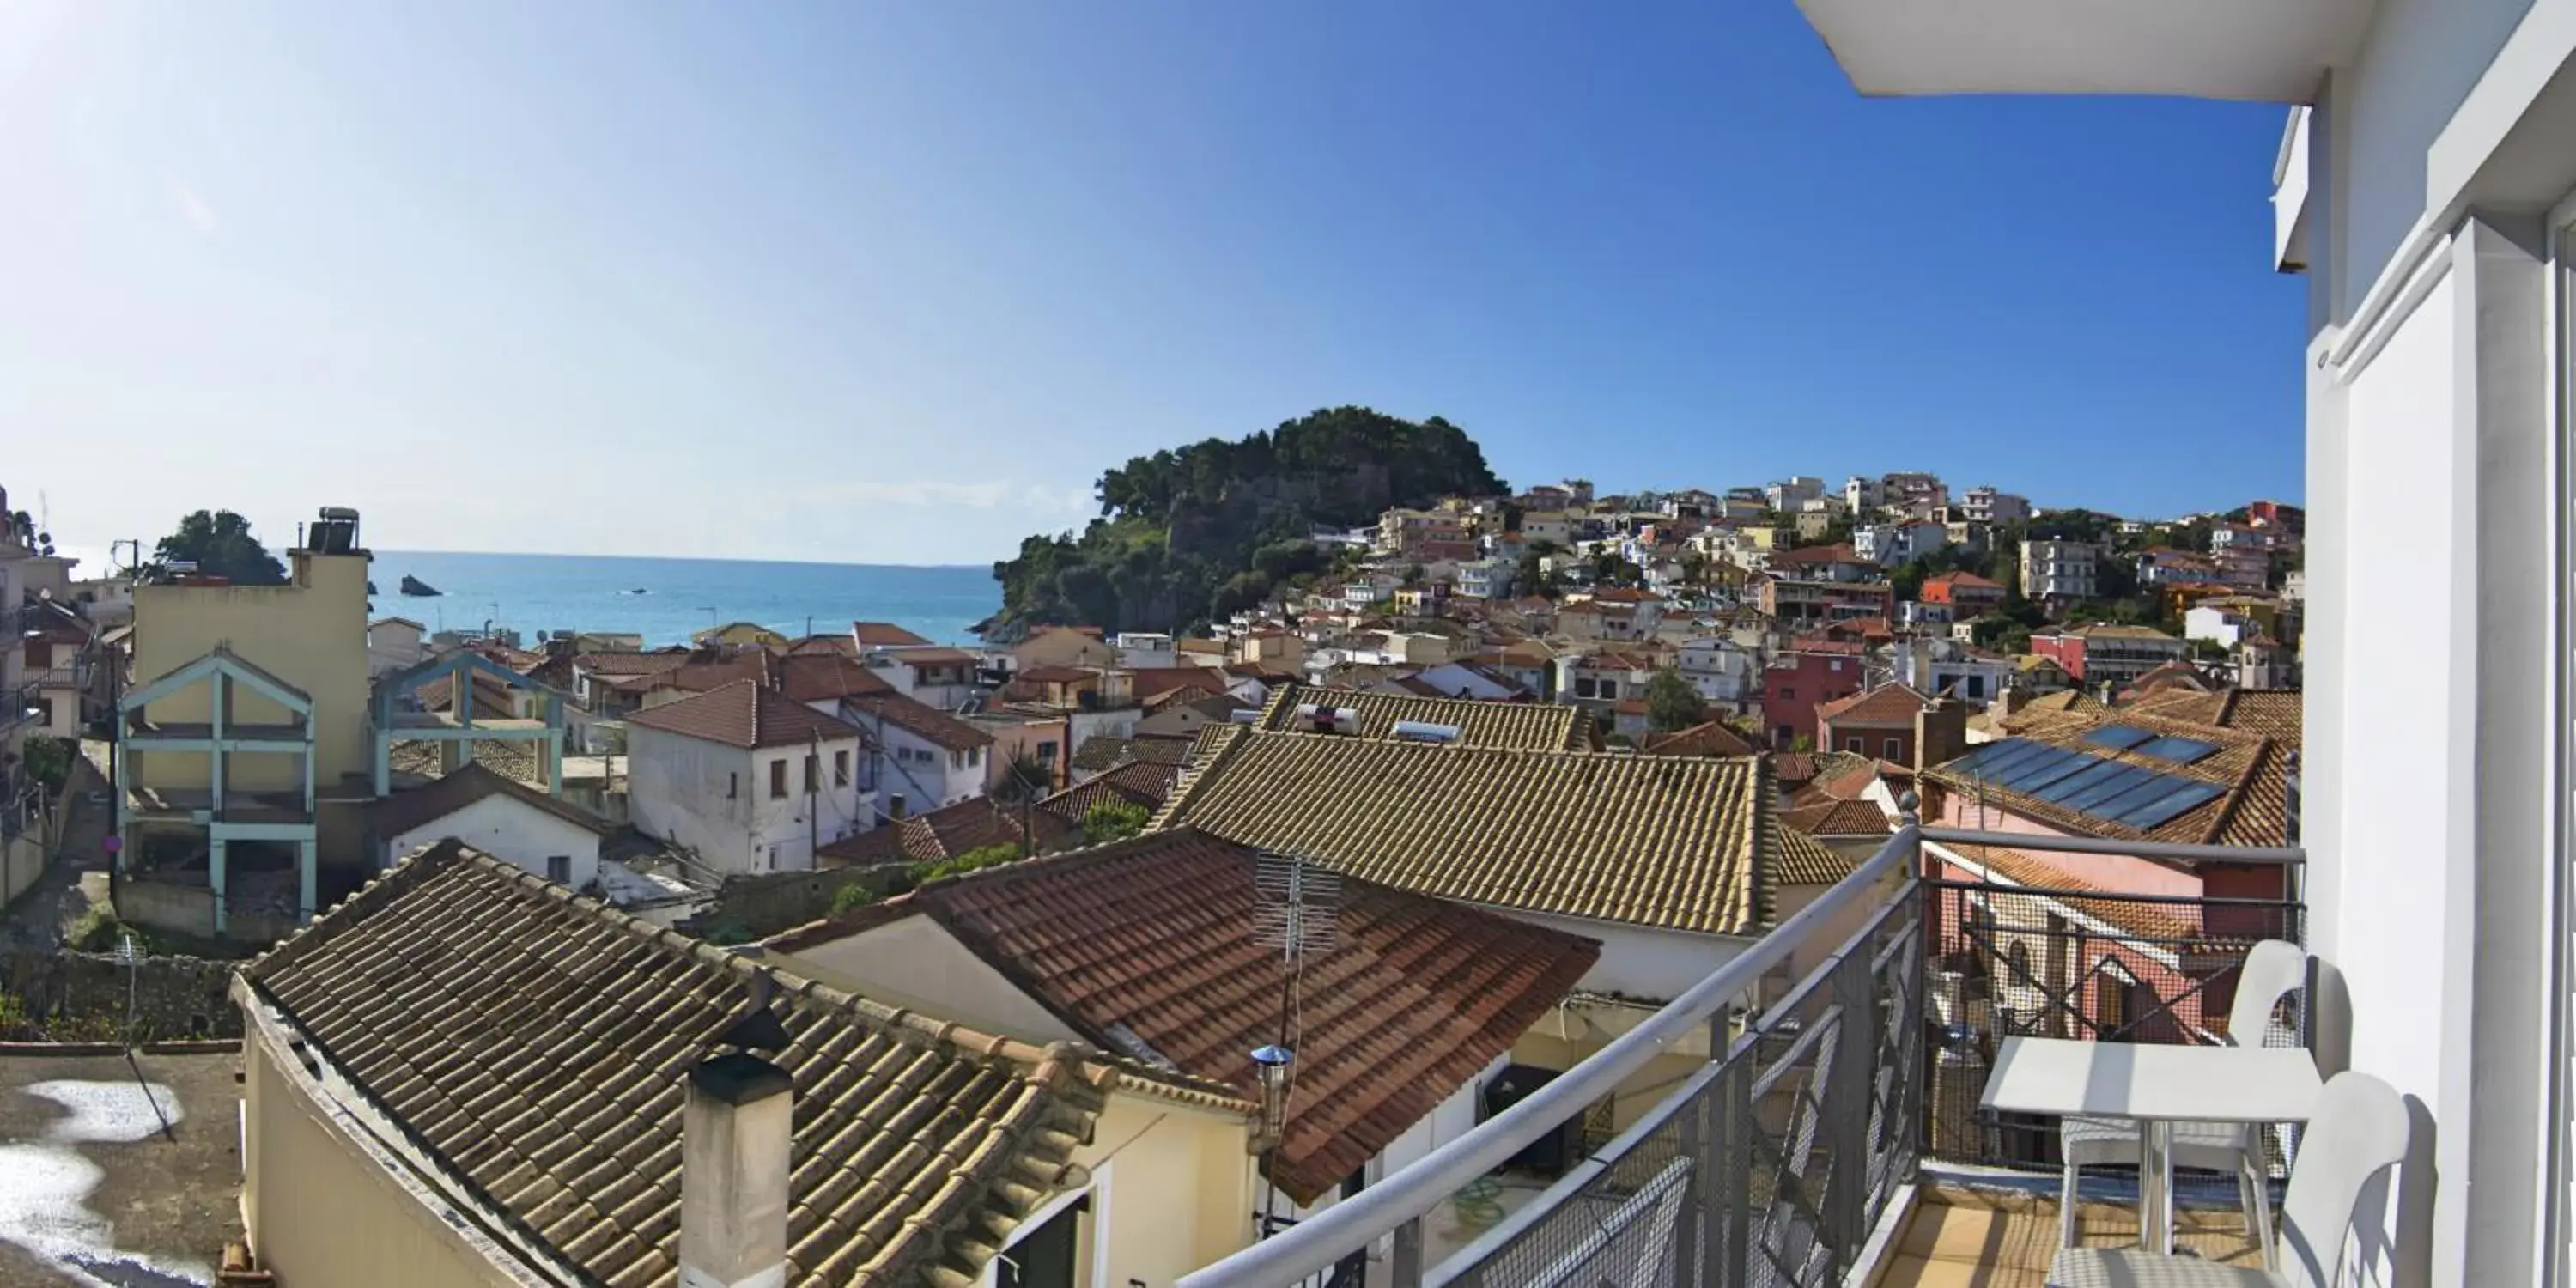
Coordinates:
column 219, row 697
column 309, row 874
column 735, row 1131
column 554, row 761
column 215, row 878
column 384, row 761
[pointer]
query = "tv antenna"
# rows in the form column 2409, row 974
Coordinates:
column 1296, row 909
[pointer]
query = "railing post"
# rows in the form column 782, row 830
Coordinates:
column 1730, row 1259
column 1405, row 1266
column 1692, row 1257
column 1846, row 1102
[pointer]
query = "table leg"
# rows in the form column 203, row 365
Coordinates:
column 2155, row 1187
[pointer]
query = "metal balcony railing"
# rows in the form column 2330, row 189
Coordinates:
column 1772, row 1164
column 20, row 705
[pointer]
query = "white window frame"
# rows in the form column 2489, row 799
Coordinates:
column 2558, row 1250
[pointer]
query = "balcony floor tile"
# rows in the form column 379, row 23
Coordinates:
column 1976, row 1238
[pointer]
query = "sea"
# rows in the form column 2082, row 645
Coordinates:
column 667, row 600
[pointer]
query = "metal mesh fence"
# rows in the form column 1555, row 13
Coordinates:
column 2017, row 961
column 1768, row 1167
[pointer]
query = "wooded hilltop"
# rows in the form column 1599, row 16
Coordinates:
column 1197, row 532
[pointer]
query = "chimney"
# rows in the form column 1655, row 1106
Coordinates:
column 734, row 1135
column 1940, row 733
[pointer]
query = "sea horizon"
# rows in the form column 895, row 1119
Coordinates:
column 667, row 599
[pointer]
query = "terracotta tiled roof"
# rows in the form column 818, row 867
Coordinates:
column 1652, row 840
column 815, row 677
column 391, row 816
column 1416, row 997
column 2157, row 921
column 1058, row 674
column 930, row 656
column 1135, row 783
column 1100, row 752
column 1835, row 817
column 743, row 714
column 1888, row 704
column 1964, row 581
column 918, row 718
column 1157, row 681
column 631, row 663
column 491, row 696
column 945, row 833
column 819, row 646
column 1713, row 738
column 1800, row 859
column 915, row 1141
column 1525, row 725
column 883, row 635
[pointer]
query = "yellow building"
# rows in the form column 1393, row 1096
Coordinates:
column 245, row 742
column 741, row 633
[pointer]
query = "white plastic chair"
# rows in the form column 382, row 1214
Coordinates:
column 2360, row 1131
column 2273, row 969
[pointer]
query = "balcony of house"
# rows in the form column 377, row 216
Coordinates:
column 1845, row 1133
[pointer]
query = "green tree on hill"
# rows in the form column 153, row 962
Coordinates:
column 1193, row 532
column 1671, row 702
column 220, row 544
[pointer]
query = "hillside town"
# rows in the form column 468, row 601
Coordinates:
column 1548, row 759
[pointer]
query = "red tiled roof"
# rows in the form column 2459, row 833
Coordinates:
column 882, row 635
column 931, row 656
column 1417, row 997
column 394, row 815
column 946, row 833
column 743, row 714
column 918, row 718
column 1713, row 738
column 816, row 677
column 632, row 663
column 1832, row 817
column 1156, row 681
column 1057, row 674
column 1886, row 704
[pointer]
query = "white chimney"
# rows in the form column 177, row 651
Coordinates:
column 734, row 1137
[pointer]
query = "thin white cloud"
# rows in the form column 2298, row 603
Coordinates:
column 193, row 208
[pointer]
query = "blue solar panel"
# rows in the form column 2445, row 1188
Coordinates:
column 2181, row 751
column 2004, row 763
column 2075, row 763
column 1975, row 761
column 2137, row 793
column 2082, row 779
column 2117, row 737
column 2041, row 771
column 2103, row 787
column 2155, row 811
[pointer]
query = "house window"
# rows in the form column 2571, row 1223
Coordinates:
column 778, row 779
column 559, row 869
column 1853, row 745
column 1046, row 752
column 840, row 769
column 894, row 805
column 733, row 786
column 1895, row 749
column 813, row 771
column 1583, row 687
column 974, row 755
column 1788, row 692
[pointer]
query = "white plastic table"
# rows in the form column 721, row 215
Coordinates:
column 2157, row 1085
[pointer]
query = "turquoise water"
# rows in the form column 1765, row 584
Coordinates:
column 596, row 593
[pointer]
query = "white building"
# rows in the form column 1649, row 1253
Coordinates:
column 1862, row 495
column 2224, row 625
column 500, row 816
column 1983, row 504
column 395, row 643
column 1890, row 544
column 916, row 758
column 745, row 777
column 1143, row 651
column 1720, row 669
column 2059, row 570
column 2426, row 185
column 1791, row 494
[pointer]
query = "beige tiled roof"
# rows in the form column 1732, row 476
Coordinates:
column 1652, row 840
column 1888, row 704
column 1832, row 817
column 534, row 1045
column 1522, row 725
column 1803, row 860
column 922, row 720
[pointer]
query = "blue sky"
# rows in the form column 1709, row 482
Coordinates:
column 892, row 281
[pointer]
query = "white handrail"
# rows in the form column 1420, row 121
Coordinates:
column 1316, row 1243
